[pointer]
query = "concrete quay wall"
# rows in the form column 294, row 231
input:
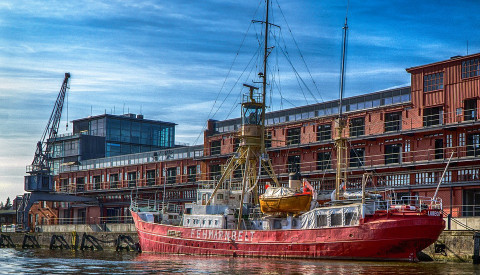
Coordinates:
column 107, row 240
column 459, row 245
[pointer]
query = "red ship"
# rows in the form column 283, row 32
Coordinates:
column 396, row 234
column 229, row 218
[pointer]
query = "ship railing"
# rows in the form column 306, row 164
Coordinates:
column 147, row 205
column 416, row 203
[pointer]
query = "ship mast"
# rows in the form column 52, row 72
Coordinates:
column 251, row 152
column 340, row 123
column 264, row 78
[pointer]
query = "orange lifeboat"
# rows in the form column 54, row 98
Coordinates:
column 284, row 200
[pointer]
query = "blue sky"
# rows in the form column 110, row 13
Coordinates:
column 169, row 60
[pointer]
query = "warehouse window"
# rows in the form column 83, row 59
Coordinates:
column 114, row 179
column 215, row 147
column 357, row 156
column 324, row 132
column 171, row 175
column 393, row 122
column 323, row 160
column 471, row 68
column 293, row 163
column 357, row 126
column 473, row 145
column 215, row 171
column 293, row 136
column 192, row 173
column 268, row 139
column 470, row 109
column 392, row 153
column 150, row 177
column 236, row 144
column 432, row 116
column 131, row 179
column 433, row 82
column 439, row 149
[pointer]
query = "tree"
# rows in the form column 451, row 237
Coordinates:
column 8, row 204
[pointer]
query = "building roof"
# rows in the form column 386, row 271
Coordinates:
column 328, row 108
column 451, row 60
column 132, row 117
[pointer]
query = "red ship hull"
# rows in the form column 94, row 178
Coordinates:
column 379, row 237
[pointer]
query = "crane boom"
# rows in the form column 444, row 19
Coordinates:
column 39, row 170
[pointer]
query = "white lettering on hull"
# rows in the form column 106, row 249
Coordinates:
column 227, row 235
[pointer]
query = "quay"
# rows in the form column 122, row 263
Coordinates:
column 118, row 237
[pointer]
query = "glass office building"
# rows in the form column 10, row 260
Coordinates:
column 127, row 134
column 111, row 135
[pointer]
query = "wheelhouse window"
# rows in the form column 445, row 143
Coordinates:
column 473, row 145
column 471, row 68
column 323, row 160
column 357, row 127
column 432, row 116
column 293, row 164
column 357, row 157
column 392, row 153
column 433, row 82
column 393, row 122
column 293, row 136
column 470, row 109
column 324, row 132
column 215, row 147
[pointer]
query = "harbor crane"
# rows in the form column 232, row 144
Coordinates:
column 39, row 181
column 40, row 176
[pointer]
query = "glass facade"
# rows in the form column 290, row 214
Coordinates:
column 128, row 134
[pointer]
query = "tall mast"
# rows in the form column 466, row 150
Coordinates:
column 340, row 123
column 264, row 85
column 342, row 71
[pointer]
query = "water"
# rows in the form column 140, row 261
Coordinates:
column 42, row 261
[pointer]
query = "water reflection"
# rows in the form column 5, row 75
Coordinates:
column 43, row 261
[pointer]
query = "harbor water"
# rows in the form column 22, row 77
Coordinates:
column 43, row 261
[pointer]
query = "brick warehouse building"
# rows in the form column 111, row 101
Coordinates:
column 405, row 136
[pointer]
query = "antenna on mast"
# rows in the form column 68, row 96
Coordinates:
column 344, row 53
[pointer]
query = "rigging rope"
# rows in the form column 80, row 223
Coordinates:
column 298, row 48
column 226, row 77
column 296, row 72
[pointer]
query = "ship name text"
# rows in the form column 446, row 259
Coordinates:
column 227, row 235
